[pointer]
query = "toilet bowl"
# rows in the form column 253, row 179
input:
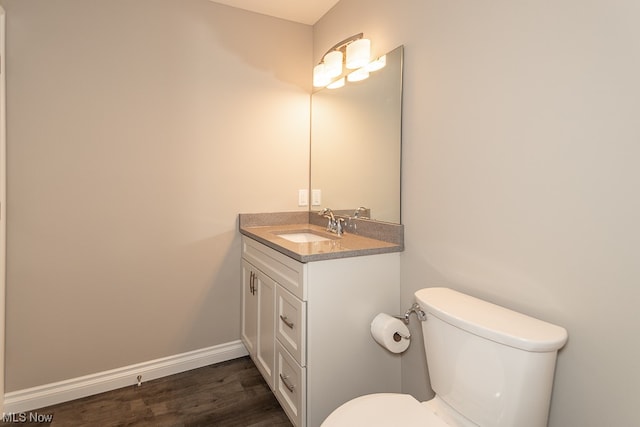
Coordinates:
column 489, row 366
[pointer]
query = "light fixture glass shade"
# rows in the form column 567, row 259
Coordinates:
column 377, row 64
column 358, row 75
column 337, row 84
column 320, row 77
column 333, row 63
column 358, row 53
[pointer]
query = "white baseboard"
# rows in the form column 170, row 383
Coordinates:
column 75, row 388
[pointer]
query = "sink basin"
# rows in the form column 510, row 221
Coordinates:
column 303, row 237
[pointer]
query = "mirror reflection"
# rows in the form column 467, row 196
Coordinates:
column 356, row 144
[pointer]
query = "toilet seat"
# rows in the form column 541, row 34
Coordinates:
column 383, row 410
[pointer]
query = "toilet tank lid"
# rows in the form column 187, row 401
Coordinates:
column 491, row 321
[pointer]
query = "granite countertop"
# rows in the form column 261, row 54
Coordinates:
column 347, row 245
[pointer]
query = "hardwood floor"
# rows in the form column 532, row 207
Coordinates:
column 230, row 394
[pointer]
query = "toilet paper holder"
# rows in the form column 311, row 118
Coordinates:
column 417, row 310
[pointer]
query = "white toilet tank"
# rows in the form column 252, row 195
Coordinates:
column 492, row 365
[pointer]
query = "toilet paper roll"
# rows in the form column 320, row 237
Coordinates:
column 390, row 332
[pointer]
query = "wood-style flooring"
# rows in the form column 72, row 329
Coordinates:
column 231, row 394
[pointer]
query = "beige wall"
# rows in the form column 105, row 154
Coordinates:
column 520, row 174
column 137, row 131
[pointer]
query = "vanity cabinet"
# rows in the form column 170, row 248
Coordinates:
column 307, row 327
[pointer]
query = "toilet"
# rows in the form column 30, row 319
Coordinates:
column 489, row 366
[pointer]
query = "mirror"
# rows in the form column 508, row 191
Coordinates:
column 356, row 144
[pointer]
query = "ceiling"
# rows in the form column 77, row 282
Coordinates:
column 303, row 11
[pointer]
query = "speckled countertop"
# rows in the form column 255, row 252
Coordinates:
column 266, row 230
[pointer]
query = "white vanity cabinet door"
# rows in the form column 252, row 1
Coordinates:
column 291, row 325
column 266, row 353
column 249, row 330
column 258, row 319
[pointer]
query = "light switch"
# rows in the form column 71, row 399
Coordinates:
column 316, row 197
column 303, row 197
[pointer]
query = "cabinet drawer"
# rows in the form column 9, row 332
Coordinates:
column 291, row 319
column 284, row 270
column 290, row 386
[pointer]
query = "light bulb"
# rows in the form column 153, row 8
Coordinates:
column 358, row 53
column 358, row 75
column 320, row 77
column 337, row 84
column 333, row 63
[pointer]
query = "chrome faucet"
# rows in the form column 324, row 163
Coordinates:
column 353, row 225
column 356, row 214
column 328, row 213
column 335, row 225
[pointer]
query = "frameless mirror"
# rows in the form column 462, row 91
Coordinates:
column 356, row 143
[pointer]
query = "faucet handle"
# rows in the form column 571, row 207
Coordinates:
column 328, row 213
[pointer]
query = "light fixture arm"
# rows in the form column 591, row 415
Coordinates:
column 343, row 44
column 354, row 53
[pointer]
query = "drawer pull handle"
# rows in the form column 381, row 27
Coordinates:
column 286, row 383
column 286, row 321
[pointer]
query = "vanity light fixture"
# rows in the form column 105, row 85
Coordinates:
column 352, row 53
